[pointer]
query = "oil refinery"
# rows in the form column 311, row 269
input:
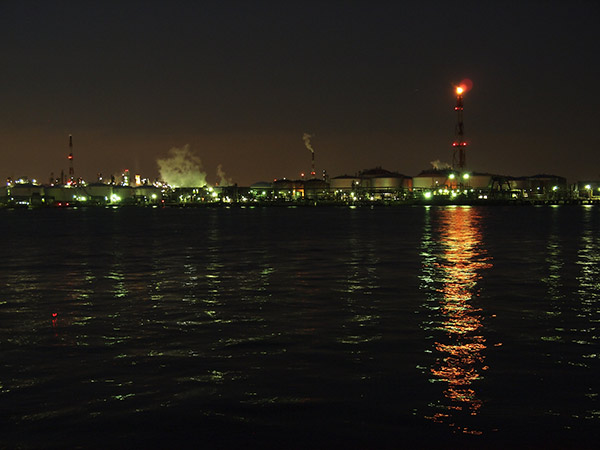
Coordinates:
column 441, row 184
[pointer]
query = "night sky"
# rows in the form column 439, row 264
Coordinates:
column 241, row 82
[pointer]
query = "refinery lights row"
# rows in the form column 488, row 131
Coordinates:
column 465, row 176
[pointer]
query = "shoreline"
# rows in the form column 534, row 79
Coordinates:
column 307, row 204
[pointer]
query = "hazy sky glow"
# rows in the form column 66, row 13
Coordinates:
column 241, row 82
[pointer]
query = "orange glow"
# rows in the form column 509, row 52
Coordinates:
column 466, row 85
column 460, row 90
column 460, row 357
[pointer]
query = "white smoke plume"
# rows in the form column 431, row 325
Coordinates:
column 222, row 177
column 182, row 168
column 440, row 165
column 306, row 138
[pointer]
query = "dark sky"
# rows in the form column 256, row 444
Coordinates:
column 240, row 82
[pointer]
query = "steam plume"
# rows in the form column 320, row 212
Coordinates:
column 440, row 165
column 182, row 168
column 223, row 180
column 306, row 138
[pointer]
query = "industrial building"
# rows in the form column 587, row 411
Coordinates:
column 442, row 184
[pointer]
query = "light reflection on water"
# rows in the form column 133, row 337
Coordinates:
column 454, row 259
column 284, row 321
column 571, row 316
column 587, row 334
column 360, row 303
column 554, row 261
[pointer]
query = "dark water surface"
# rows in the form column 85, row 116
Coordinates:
column 410, row 327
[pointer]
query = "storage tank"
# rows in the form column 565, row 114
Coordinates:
column 344, row 182
column 148, row 194
column 315, row 188
column 60, row 193
column 481, row 181
column 386, row 182
column 98, row 193
column 122, row 194
column 433, row 178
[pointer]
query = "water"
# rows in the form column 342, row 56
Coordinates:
column 300, row 327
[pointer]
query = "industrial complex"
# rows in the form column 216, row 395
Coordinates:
column 442, row 184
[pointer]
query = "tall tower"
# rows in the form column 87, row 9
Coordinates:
column 306, row 138
column 126, row 178
column 459, row 158
column 70, row 158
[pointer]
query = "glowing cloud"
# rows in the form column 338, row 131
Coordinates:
column 306, row 138
column 440, row 165
column 466, row 85
column 182, row 168
column 222, row 177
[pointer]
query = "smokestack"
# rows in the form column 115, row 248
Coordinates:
column 70, row 157
column 459, row 158
column 306, row 138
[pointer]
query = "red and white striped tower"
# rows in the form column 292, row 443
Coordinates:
column 459, row 159
column 70, row 158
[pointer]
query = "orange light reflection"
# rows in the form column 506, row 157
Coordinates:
column 460, row 362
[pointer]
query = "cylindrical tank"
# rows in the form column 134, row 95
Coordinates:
column 386, row 182
column 344, row 182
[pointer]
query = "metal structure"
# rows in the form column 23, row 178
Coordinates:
column 70, row 158
column 306, row 138
column 459, row 158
